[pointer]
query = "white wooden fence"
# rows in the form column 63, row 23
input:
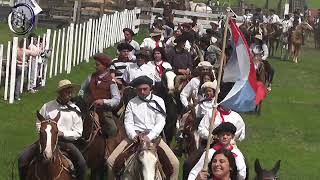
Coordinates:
column 183, row 16
column 69, row 47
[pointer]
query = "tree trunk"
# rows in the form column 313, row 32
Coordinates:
column 279, row 7
column 267, row 4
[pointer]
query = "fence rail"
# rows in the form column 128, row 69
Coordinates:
column 78, row 42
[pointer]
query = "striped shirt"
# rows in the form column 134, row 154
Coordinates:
column 118, row 66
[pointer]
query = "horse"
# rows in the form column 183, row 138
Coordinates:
column 93, row 144
column 52, row 164
column 273, row 35
column 297, row 40
column 244, row 27
column 144, row 164
column 187, row 137
column 265, row 174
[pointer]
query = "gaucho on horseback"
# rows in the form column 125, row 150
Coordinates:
column 70, row 128
column 144, row 121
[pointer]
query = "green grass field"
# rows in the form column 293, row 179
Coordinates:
column 287, row 128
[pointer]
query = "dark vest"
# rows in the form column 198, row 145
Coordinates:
column 101, row 90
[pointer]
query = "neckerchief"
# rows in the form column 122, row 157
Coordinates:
column 69, row 108
column 159, row 67
column 223, row 113
column 219, row 146
column 158, row 109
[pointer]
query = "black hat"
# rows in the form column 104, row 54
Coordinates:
column 123, row 46
column 142, row 53
column 128, row 30
column 224, row 127
column 141, row 80
column 182, row 38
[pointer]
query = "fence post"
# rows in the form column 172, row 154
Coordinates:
column 57, row 54
column 45, row 65
column 52, row 53
column 44, row 40
column 70, row 48
column 89, row 44
column 75, row 44
column 109, row 34
column 13, row 69
column 83, row 41
column 92, row 37
column 35, row 70
column 29, row 68
column 23, row 64
column 79, row 43
column 62, row 50
column 67, row 49
column 7, row 72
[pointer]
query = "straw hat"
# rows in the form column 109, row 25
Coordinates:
column 204, row 64
column 156, row 32
column 212, row 85
column 63, row 84
column 258, row 36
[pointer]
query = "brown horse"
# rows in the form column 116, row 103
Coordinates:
column 93, row 144
column 52, row 164
column 273, row 35
column 144, row 164
column 297, row 40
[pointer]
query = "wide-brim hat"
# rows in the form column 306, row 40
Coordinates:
column 212, row 85
column 225, row 127
column 123, row 46
column 142, row 53
column 182, row 38
column 141, row 80
column 258, row 36
column 103, row 59
column 156, row 32
column 128, row 30
column 64, row 84
column 204, row 64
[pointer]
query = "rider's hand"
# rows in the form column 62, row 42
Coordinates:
column 135, row 139
column 146, row 138
column 188, row 71
column 60, row 134
column 203, row 175
column 98, row 102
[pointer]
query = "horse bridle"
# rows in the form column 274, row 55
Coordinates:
column 56, row 143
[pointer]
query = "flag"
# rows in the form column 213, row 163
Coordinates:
column 246, row 92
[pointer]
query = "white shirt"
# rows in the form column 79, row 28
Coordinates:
column 191, row 88
column 247, row 17
column 274, row 19
column 170, row 43
column 70, row 123
column 165, row 65
column 149, row 43
column 140, row 117
column 198, row 28
column 133, row 71
column 233, row 118
column 260, row 50
column 286, row 25
column 240, row 163
column 203, row 108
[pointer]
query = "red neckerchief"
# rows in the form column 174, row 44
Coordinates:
column 219, row 146
column 157, row 44
column 223, row 112
column 159, row 67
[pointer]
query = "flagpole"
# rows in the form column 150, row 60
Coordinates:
column 226, row 25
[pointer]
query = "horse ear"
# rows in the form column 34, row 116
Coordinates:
column 56, row 119
column 276, row 167
column 40, row 117
column 257, row 166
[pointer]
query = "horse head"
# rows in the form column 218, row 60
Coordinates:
column 168, row 81
column 148, row 157
column 48, row 135
column 304, row 26
column 266, row 174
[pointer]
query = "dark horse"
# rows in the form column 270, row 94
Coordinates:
column 93, row 144
column 266, row 174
